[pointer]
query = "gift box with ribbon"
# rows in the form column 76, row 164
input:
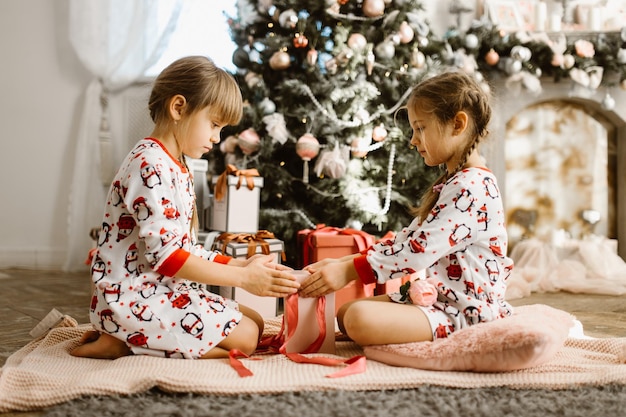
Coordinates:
column 309, row 322
column 308, row 329
column 245, row 245
column 333, row 242
column 236, row 200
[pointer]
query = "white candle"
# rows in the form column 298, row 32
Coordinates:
column 541, row 14
column 595, row 19
column 555, row 22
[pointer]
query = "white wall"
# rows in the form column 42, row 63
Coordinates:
column 41, row 93
column 41, row 85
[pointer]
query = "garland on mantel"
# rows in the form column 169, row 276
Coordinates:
column 589, row 59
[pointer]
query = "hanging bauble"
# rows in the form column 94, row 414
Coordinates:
column 373, row 8
column 471, row 41
column 229, row 144
column 608, row 102
column 492, row 57
column 249, row 141
column 621, row 56
column 521, row 53
column 512, row 66
column 267, row 106
column 359, row 147
column 300, row 41
column 357, row 41
column 252, row 79
column 288, row 19
column 385, row 50
column 568, row 61
column 280, row 60
column 379, row 133
column 307, row 148
column 418, row 59
column 241, row 59
column 342, row 2
column 406, row 33
column 311, row 57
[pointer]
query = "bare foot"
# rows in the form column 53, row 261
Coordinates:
column 98, row 345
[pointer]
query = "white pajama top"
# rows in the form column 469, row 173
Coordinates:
column 144, row 240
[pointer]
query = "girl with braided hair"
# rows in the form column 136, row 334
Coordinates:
column 457, row 239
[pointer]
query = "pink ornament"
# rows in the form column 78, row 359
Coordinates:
column 584, row 48
column 280, row 60
column 423, row 293
column 379, row 133
column 357, row 41
column 359, row 147
column 406, row 32
column 229, row 144
column 373, row 8
column 492, row 57
column 249, row 141
column 307, row 147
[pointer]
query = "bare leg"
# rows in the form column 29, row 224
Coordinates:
column 244, row 337
column 379, row 321
column 98, row 345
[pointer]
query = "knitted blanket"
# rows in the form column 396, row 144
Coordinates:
column 43, row 373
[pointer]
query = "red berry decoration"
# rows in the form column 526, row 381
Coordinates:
column 300, row 41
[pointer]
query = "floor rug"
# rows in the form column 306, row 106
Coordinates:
column 43, row 373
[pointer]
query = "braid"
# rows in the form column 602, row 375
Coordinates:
column 195, row 223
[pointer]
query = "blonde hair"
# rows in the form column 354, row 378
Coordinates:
column 203, row 84
column 443, row 96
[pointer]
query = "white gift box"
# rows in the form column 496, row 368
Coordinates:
column 199, row 169
column 238, row 210
column 267, row 307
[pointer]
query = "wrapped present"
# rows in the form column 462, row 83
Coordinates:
column 332, row 242
column 309, row 322
column 308, row 326
column 199, row 169
column 245, row 245
column 236, row 201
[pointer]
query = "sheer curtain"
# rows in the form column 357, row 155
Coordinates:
column 116, row 40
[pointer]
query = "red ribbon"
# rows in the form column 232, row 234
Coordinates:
column 362, row 240
column 222, row 181
column 278, row 343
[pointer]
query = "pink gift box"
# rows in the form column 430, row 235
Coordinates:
column 307, row 327
column 332, row 242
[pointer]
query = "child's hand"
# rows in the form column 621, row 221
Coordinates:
column 327, row 277
column 264, row 277
column 319, row 265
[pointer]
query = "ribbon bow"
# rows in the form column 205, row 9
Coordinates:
column 222, row 180
column 251, row 239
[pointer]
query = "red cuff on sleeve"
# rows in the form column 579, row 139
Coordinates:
column 222, row 259
column 364, row 269
column 173, row 263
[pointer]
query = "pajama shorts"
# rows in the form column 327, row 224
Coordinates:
column 441, row 323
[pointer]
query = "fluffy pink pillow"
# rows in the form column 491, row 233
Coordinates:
column 530, row 337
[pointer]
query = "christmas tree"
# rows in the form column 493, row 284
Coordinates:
column 324, row 85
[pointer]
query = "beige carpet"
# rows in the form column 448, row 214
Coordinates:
column 43, row 373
